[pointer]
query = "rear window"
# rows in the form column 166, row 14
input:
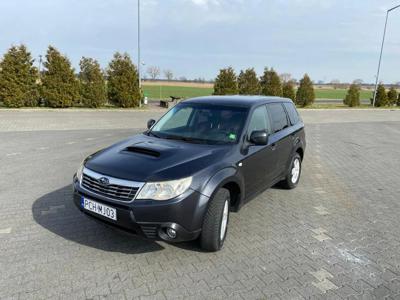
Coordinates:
column 292, row 112
column 278, row 116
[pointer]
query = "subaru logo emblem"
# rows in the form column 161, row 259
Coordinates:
column 104, row 181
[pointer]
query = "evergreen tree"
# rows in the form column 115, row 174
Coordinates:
column 398, row 100
column 288, row 90
column 92, row 83
column 18, row 78
column 60, row 87
column 353, row 96
column 271, row 83
column 248, row 82
column 123, row 82
column 305, row 93
column 226, row 82
column 381, row 98
column 392, row 96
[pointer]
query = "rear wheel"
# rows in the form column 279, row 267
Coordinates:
column 294, row 172
column 215, row 224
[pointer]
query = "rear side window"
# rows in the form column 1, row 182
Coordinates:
column 278, row 116
column 259, row 120
column 292, row 112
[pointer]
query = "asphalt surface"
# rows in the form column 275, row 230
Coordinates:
column 337, row 235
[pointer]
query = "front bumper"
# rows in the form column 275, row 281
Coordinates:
column 150, row 218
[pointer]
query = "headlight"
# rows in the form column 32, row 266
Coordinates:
column 164, row 190
column 79, row 173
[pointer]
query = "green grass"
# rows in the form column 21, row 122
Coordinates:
column 339, row 94
column 163, row 92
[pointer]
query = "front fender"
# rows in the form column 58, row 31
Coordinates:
column 222, row 177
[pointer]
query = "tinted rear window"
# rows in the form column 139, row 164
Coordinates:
column 292, row 112
column 278, row 116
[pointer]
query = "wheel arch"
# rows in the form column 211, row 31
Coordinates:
column 227, row 178
column 300, row 151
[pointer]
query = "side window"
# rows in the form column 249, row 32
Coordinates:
column 292, row 112
column 259, row 120
column 278, row 116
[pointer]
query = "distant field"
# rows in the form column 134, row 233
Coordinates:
column 339, row 94
column 164, row 91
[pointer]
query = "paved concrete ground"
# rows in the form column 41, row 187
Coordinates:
column 336, row 236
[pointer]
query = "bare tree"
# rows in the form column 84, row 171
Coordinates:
column 285, row 77
column 168, row 74
column 358, row 81
column 153, row 72
column 335, row 83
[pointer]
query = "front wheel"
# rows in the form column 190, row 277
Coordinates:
column 294, row 172
column 215, row 224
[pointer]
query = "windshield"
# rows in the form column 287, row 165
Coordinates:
column 201, row 123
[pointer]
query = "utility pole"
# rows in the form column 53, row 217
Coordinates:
column 380, row 55
column 139, row 62
column 40, row 67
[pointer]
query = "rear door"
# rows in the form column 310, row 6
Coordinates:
column 280, row 138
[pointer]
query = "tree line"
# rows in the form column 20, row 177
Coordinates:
column 271, row 84
column 57, row 85
column 268, row 84
column 383, row 97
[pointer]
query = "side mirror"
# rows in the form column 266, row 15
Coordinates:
column 259, row 137
column 150, row 123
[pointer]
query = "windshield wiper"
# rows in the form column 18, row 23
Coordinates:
column 184, row 138
column 153, row 134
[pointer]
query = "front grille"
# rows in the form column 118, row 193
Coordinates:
column 113, row 191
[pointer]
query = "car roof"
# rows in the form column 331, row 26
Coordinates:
column 236, row 100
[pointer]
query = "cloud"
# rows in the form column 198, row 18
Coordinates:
column 326, row 38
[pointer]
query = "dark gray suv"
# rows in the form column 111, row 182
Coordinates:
column 206, row 157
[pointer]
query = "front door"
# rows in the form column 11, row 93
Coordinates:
column 258, row 160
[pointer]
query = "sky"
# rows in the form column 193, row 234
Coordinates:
column 195, row 38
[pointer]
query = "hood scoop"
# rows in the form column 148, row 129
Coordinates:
column 142, row 150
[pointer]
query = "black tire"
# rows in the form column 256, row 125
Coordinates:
column 288, row 182
column 210, row 239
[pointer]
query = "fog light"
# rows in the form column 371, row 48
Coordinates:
column 171, row 233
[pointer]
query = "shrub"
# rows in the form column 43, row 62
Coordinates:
column 92, row 83
column 353, row 96
column 381, row 98
column 271, row 83
column 305, row 93
column 392, row 96
column 288, row 90
column 248, row 82
column 123, row 82
column 18, row 78
column 226, row 82
column 60, row 87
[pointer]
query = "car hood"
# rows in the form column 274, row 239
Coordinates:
column 144, row 158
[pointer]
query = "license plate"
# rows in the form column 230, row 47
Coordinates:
column 99, row 208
